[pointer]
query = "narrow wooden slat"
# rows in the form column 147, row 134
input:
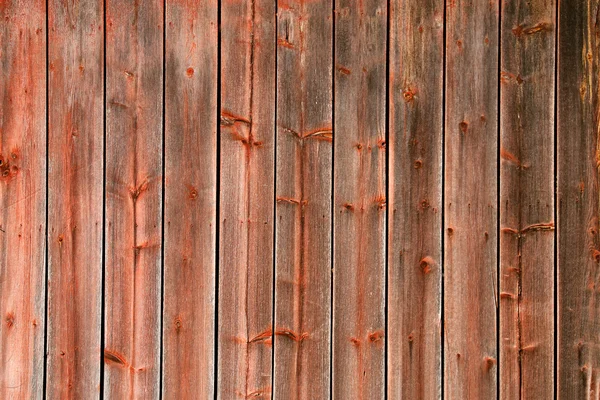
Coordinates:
column 247, row 198
column 303, row 208
column 134, row 85
column 470, row 202
column 359, row 200
column 190, row 199
column 75, row 192
column 415, row 199
column 22, row 197
column 578, row 199
column 527, row 200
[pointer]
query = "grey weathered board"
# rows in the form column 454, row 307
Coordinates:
column 299, row 199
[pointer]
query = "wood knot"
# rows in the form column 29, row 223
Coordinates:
column 376, row 336
column 10, row 319
column 426, row 264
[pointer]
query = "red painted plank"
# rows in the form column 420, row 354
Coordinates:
column 578, row 199
column 22, row 197
column 470, row 202
column 247, row 198
column 134, row 84
column 190, row 199
column 75, row 190
column 359, row 200
column 415, row 199
column 527, row 201
column 303, row 209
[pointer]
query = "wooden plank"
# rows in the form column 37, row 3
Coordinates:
column 75, row 191
column 22, row 197
column 415, row 199
column 134, row 85
column 190, row 199
column 470, row 202
column 303, row 208
column 527, row 200
column 578, row 199
column 247, row 174
column 359, row 200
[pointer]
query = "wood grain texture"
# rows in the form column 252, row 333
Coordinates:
column 75, row 192
column 359, row 209
column 303, row 202
column 190, row 199
column 527, row 200
column 22, row 197
column 416, row 68
column 134, row 86
column 470, row 202
column 247, row 179
column 578, row 152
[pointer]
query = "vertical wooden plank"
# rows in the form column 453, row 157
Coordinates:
column 22, row 197
column 247, row 198
column 75, row 190
column 359, row 199
column 527, row 200
column 303, row 201
column 190, row 199
column 470, row 202
column 415, row 202
column 578, row 152
column 134, row 85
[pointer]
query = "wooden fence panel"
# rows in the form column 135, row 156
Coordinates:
column 299, row 199
column 471, row 200
column 527, row 200
column 415, row 146
column 360, row 205
column 22, row 197
column 134, row 186
column 303, row 200
column 75, row 197
column 247, row 181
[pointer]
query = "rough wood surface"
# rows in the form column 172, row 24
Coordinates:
column 190, row 199
column 303, row 200
column 247, row 179
column 359, row 208
column 470, row 202
column 416, row 68
column 22, row 197
column 133, row 240
column 578, row 152
column 75, row 191
column 527, row 200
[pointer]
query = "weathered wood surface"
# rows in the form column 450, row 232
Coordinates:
column 22, row 197
column 190, row 199
column 471, row 200
column 303, row 200
column 75, row 197
column 247, row 182
column 299, row 199
column 578, row 152
column 360, row 204
column 527, row 200
column 134, row 186
column 416, row 66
